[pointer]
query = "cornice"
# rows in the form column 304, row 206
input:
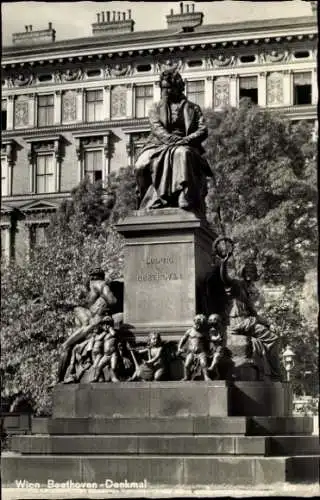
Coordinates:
column 87, row 128
column 164, row 42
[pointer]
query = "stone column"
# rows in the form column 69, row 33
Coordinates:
column 57, row 107
column 287, row 88
column 262, row 89
column 10, row 112
column 106, row 103
column 234, row 92
column 208, row 92
column 315, row 90
column 80, row 105
column 130, row 100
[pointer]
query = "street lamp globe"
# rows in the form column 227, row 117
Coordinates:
column 288, row 360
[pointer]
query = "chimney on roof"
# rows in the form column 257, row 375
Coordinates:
column 186, row 20
column 117, row 24
column 37, row 37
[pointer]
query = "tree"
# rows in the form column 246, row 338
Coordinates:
column 263, row 193
column 36, row 297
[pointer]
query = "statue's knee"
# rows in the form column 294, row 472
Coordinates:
column 182, row 151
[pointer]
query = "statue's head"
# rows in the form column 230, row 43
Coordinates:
column 214, row 320
column 97, row 274
column 249, row 272
column 106, row 322
column 154, row 339
column 171, row 83
column 200, row 321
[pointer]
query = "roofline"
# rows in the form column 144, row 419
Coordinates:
column 155, row 38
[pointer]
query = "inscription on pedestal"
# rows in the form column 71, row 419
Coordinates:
column 159, row 268
column 160, row 286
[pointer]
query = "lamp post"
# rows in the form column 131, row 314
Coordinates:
column 287, row 358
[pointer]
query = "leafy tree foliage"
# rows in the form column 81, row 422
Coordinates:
column 263, row 193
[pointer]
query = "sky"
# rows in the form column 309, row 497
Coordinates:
column 74, row 19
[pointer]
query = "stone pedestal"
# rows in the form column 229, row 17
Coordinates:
column 167, row 256
column 168, row 434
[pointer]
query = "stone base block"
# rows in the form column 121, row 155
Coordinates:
column 158, row 471
column 171, row 399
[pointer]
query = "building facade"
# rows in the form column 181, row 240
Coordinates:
column 79, row 107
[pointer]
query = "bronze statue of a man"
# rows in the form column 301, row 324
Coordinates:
column 243, row 319
column 170, row 170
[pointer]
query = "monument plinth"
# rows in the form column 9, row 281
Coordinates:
column 167, row 256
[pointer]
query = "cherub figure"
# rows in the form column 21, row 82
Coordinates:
column 216, row 342
column 196, row 339
column 105, row 351
column 156, row 358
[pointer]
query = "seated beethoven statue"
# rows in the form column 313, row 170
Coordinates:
column 170, row 170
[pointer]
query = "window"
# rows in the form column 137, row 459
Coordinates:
column 3, row 114
column 45, row 174
column 247, row 59
column 38, row 236
column 302, row 88
column 248, row 87
column 94, row 105
column 144, row 99
column 93, row 165
column 195, row 92
column 45, row 110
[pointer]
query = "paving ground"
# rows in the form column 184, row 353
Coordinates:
column 282, row 490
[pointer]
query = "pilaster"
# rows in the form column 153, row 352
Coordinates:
column 106, row 102
column 10, row 112
column 156, row 91
column 262, row 89
column 208, row 92
column 130, row 100
column 32, row 110
column 234, row 91
column 287, row 88
column 315, row 90
column 80, row 105
column 57, row 107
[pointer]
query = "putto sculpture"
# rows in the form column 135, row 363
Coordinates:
column 170, row 170
column 196, row 343
column 156, row 365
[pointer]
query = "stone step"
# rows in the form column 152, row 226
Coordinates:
column 175, row 425
column 166, row 445
column 158, row 470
